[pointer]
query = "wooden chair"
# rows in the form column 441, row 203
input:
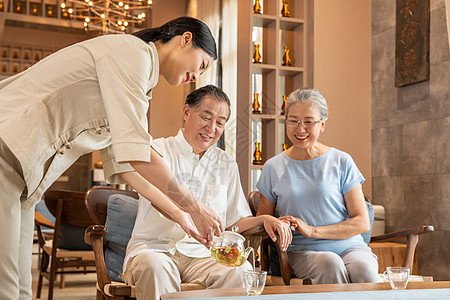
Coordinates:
column 380, row 241
column 96, row 235
column 67, row 207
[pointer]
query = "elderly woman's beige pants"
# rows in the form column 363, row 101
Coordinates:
column 356, row 264
column 158, row 273
column 16, row 231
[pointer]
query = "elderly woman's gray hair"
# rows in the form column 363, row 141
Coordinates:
column 304, row 95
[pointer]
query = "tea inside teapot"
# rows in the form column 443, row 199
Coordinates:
column 229, row 250
column 228, row 256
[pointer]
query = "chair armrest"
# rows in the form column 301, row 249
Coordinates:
column 95, row 236
column 115, row 290
column 412, row 235
column 402, row 234
column 285, row 268
column 95, row 231
column 40, row 220
column 259, row 230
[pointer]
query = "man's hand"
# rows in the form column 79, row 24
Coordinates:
column 207, row 223
column 272, row 225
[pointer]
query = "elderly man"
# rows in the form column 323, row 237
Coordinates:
column 160, row 255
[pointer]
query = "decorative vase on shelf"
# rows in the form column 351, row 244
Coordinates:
column 283, row 106
column 286, row 58
column 285, row 11
column 256, row 55
column 50, row 12
column 257, row 155
column 35, row 11
column 19, row 8
column 256, row 107
column 285, row 147
column 257, row 7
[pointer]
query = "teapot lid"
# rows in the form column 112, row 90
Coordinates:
column 233, row 232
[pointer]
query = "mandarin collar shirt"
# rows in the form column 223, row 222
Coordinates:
column 213, row 179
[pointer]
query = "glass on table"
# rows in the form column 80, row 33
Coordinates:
column 397, row 277
column 254, row 282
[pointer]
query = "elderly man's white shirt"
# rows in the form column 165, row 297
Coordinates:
column 213, row 179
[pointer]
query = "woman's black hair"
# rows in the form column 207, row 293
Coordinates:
column 196, row 97
column 201, row 35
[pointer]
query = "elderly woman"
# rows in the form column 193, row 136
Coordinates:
column 318, row 190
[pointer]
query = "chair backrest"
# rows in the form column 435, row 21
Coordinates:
column 117, row 209
column 96, row 200
column 71, row 218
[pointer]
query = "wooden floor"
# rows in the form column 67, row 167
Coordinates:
column 77, row 286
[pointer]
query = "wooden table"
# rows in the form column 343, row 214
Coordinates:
column 295, row 289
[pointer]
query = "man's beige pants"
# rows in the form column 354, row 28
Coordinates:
column 158, row 273
column 16, row 231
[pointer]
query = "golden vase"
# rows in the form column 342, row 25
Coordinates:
column 256, row 107
column 257, row 7
column 257, row 155
column 256, row 55
column 286, row 58
column 285, row 10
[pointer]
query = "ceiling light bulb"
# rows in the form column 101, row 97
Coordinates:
column 119, row 22
column 91, row 3
column 63, row 5
column 120, row 4
column 126, row 6
column 102, row 16
column 87, row 19
column 123, row 28
column 150, row 2
column 85, row 24
column 70, row 10
column 143, row 15
column 125, row 23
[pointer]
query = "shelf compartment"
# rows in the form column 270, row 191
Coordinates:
column 265, row 36
column 264, row 132
column 265, row 86
column 295, row 7
column 293, row 39
column 269, row 7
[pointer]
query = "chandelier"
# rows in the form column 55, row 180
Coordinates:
column 108, row 16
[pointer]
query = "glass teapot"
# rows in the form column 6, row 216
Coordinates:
column 228, row 249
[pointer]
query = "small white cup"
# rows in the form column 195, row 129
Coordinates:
column 397, row 276
column 254, row 282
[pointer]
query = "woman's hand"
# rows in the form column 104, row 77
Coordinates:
column 185, row 221
column 300, row 226
column 273, row 225
column 207, row 222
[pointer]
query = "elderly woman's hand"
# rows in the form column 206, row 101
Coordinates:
column 300, row 226
column 273, row 225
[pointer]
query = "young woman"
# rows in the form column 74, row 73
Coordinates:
column 317, row 189
column 93, row 95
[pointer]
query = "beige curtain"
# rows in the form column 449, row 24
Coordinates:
column 209, row 12
column 447, row 13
